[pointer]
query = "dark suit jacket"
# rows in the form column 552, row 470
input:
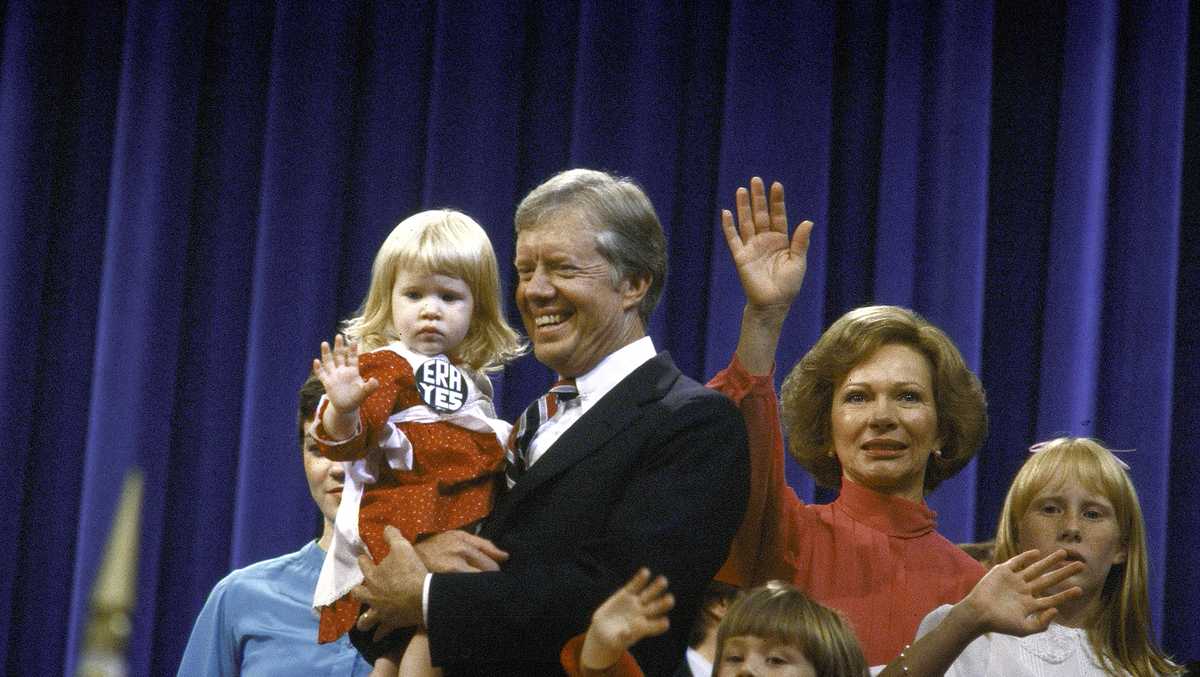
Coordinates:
column 655, row 474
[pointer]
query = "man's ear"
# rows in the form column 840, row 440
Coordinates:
column 633, row 290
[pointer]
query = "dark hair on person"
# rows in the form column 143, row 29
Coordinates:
column 716, row 594
column 982, row 552
column 310, row 395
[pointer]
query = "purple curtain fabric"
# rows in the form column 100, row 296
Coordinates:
column 191, row 195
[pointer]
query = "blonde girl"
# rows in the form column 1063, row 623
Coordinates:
column 408, row 408
column 1082, row 609
column 450, row 243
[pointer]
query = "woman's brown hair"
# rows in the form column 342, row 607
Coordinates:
column 807, row 392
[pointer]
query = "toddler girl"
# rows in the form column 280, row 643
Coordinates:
column 412, row 416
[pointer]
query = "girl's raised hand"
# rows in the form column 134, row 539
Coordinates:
column 1009, row 599
column 338, row 370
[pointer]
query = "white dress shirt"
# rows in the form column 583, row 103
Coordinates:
column 1058, row 651
column 592, row 386
column 699, row 665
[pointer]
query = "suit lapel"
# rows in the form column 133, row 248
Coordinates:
column 612, row 414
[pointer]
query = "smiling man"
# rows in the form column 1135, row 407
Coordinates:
column 631, row 463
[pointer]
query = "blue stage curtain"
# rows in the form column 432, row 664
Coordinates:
column 191, row 195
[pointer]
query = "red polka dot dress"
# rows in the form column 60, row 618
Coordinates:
column 451, row 484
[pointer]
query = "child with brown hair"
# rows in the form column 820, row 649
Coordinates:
column 774, row 629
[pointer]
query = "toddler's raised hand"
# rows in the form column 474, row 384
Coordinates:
column 338, row 370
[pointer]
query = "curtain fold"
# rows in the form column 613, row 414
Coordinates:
column 1183, row 520
column 776, row 120
column 1141, row 268
column 1071, row 327
column 23, row 192
column 198, row 490
column 139, row 314
column 191, row 197
column 1026, row 95
column 57, row 131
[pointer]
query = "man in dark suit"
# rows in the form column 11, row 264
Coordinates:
column 644, row 467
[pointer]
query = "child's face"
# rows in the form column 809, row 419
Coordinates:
column 750, row 655
column 431, row 313
column 1070, row 517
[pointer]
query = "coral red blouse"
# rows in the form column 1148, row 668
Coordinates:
column 875, row 558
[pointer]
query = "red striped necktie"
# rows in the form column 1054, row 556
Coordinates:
column 536, row 414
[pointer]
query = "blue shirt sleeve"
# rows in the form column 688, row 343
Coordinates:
column 211, row 650
column 259, row 622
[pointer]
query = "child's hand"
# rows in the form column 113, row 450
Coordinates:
column 636, row 611
column 1013, row 597
column 338, row 371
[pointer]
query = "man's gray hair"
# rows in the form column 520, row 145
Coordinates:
column 628, row 233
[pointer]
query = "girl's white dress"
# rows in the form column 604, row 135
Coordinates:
column 1058, row 652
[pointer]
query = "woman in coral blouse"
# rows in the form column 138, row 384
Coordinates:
column 883, row 408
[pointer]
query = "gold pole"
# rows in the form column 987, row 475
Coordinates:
column 115, row 590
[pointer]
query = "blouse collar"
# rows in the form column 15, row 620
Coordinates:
column 892, row 515
column 1057, row 644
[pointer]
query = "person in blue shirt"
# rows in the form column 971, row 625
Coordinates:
column 259, row 620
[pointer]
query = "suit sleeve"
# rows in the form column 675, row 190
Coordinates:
column 766, row 540
column 675, row 510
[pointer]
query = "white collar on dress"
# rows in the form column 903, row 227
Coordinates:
column 1055, row 644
